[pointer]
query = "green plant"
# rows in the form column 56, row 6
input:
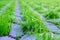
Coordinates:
column 47, row 36
column 5, row 20
column 56, row 38
column 51, row 15
column 4, row 25
column 17, row 37
column 31, row 22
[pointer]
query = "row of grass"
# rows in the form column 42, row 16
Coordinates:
column 3, row 3
column 47, row 36
column 31, row 22
column 49, row 12
column 5, row 19
column 44, row 5
column 50, row 9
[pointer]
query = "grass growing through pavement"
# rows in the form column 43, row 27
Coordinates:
column 31, row 22
column 30, row 18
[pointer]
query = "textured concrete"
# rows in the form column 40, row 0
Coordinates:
column 28, row 37
column 15, row 30
column 6, row 38
column 52, row 27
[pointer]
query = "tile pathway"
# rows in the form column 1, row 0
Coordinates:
column 15, row 27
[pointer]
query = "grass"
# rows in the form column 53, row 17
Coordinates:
column 44, row 36
column 4, row 25
column 5, row 17
column 51, row 14
column 31, row 22
column 3, row 3
column 42, row 6
column 10, row 12
column 47, row 36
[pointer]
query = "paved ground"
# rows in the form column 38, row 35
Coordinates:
column 15, row 27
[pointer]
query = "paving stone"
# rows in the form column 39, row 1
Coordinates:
column 28, row 37
column 15, row 30
column 17, row 19
column 6, row 38
column 17, row 10
column 17, row 13
column 52, row 27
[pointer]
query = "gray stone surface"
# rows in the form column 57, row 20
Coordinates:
column 17, row 9
column 17, row 12
column 28, row 37
column 49, row 25
column 52, row 27
column 17, row 19
column 15, row 30
column 6, row 38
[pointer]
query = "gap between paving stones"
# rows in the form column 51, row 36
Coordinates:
column 4, row 7
column 15, row 28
